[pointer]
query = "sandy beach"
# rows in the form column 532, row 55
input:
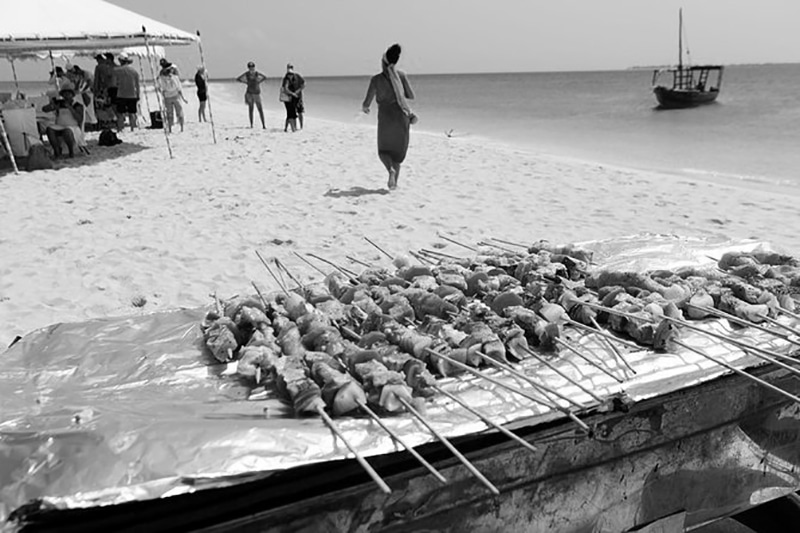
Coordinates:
column 130, row 230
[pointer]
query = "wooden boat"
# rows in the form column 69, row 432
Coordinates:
column 689, row 86
column 673, row 462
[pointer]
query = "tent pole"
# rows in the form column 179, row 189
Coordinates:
column 14, row 72
column 208, row 93
column 7, row 145
column 146, row 99
column 158, row 96
column 53, row 67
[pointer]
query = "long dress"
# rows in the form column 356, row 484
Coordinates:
column 393, row 124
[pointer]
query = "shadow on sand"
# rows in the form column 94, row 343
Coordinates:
column 354, row 192
column 96, row 154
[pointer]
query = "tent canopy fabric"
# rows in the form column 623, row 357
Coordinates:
column 31, row 27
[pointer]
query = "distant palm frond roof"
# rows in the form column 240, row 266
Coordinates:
column 30, row 27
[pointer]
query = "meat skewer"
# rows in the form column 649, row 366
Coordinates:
column 448, row 239
column 541, row 388
column 359, row 262
column 440, row 254
column 742, row 373
column 589, row 361
column 266, row 265
column 607, row 338
column 403, row 443
column 510, row 243
column 347, row 272
column 484, row 243
column 281, row 266
column 449, row 445
column 555, row 369
column 743, row 322
column 384, row 252
column 522, row 393
column 422, row 258
column 309, row 263
column 486, row 420
column 363, row 462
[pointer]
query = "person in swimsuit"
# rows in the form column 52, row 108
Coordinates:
column 391, row 89
column 201, row 82
column 252, row 96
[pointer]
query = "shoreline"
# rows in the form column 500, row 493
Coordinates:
column 127, row 230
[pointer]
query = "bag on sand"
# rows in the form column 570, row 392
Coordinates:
column 38, row 158
column 284, row 96
column 156, row 121
column 108, row 138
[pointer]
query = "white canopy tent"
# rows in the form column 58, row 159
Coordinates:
column 39, row 29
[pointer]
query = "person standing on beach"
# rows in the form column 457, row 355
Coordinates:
column 170, row 86
column 252, row 95
column 126, row 80
column 201, row 82
column 391, row 89
column 293, row 85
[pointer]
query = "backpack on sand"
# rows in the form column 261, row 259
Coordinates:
column 108, row 138
column 38, row 158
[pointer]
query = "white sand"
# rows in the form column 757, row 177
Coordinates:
column 128, row 223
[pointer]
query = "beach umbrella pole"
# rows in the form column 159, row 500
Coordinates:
column 14, row 73
column 155, row 85
column 146, row 99
column 208, row 92
column 7, row 145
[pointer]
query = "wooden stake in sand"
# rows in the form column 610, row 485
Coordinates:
column 449, row 445
column 208, row 89
column 158, row 94
column 363, row 462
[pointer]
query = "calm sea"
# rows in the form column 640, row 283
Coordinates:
column 751, row 133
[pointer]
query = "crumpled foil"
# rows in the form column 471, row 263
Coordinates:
column 114, row 410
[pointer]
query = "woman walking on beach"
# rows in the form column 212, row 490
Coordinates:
column 391, row 89
column 201, row 82
column 292, row 97
column 252, row 95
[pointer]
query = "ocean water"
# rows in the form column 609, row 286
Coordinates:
column 752, row 132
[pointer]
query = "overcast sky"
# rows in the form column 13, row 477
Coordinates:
column 346, row 37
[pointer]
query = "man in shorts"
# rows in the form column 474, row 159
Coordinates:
column 127, row 101
column 252, row 96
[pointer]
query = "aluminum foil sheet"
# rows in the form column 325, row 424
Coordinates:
column 114, row 410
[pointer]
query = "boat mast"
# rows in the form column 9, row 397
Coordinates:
column 680, row 39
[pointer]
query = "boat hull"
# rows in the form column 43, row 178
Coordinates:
column 690, row 456
column 682, row 98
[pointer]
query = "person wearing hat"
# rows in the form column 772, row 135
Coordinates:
column 68, row 125
column 252, row 96
column 292, row 86
column 164, row 63
column 126, row 80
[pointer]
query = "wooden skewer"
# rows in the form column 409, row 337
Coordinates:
column 484, row 243
column 448, row 239
column 281, row 266
column 363, row 462
column 607, row 338
column 358, row 262
column 743, row 322
column 421, row 258
column 309, row 263
column 594, row 364
column 510, row 243
column 271, row 273
column 788, row 313
column 555, row 369
column 761, row 382
column 515, row 390
column 384, row 252
column 403, row 443
column 260, row 296
column 766, row 355
column 475, row 472
column 485, row 419
column 439, row 254
column 527, row 379
column 348, row 273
